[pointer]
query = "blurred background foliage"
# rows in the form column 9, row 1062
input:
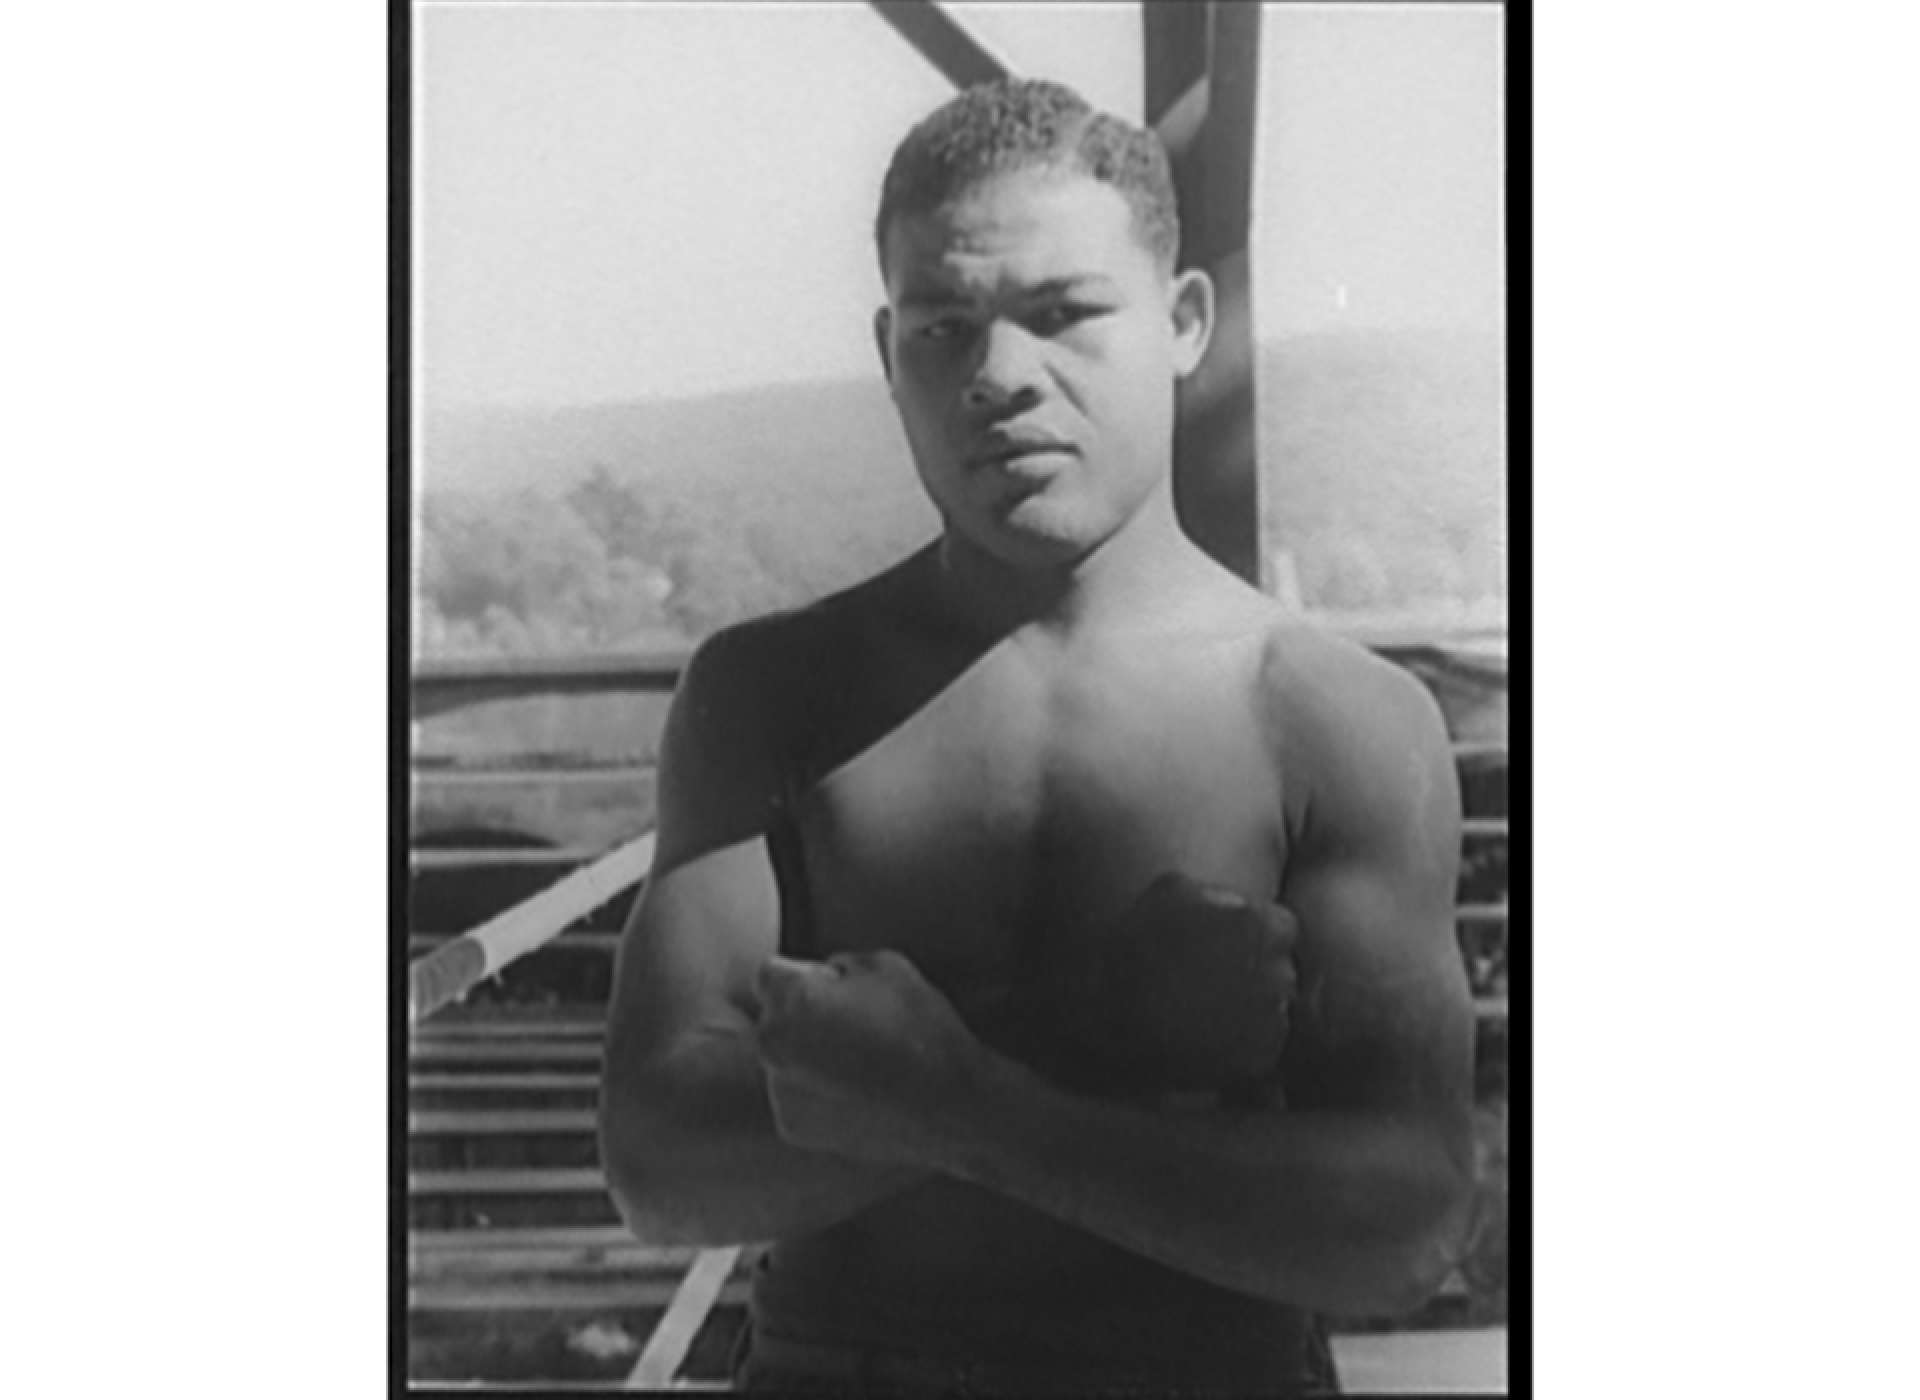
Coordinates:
column 629, row 525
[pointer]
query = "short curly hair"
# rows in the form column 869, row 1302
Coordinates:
column 1030, row 124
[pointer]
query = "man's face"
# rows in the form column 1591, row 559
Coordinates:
column 1032, row 344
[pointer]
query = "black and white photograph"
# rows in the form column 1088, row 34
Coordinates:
column 958, row 824
column 961, row 697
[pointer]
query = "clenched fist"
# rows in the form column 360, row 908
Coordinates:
column 1188, row 990
column 862, row 1054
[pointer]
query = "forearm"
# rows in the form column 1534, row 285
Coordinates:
column 692, row 1155
column 1338, row 1213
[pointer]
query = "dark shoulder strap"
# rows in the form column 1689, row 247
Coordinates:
column 788, row 855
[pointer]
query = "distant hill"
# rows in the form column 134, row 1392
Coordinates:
column 1382, row 458
column 761, row 435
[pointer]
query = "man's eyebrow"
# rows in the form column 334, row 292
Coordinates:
column 941, row 298
column 1082, row 282
column 937, row 299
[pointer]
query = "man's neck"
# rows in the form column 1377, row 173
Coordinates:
column 1130, row 577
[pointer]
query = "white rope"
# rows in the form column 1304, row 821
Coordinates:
column 450, row 971
column 692, row 1301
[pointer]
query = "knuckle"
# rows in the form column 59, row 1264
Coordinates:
column 1170, row 887
column 772, row 1045
column 864, row 959
column 1220, row 897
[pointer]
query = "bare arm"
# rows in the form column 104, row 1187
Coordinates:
column 686, row 1134
column 1348, row 1200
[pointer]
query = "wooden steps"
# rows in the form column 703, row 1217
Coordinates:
column 472, row 1086
column 543, row 1052
column 592, row 1267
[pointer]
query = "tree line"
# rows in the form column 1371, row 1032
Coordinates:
column 609, row 564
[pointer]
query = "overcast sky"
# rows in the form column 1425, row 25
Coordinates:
column 656, row 200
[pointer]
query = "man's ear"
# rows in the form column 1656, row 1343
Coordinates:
column 1193, row 309
column 883, row 339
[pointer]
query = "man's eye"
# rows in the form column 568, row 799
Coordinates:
column 945, row 328
column 1053, row 319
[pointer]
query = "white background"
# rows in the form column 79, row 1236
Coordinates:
column 193, row 558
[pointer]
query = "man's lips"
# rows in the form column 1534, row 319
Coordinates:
column 1002, row 450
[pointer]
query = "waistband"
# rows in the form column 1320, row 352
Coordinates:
column 1177, row 1323
column 1166, row 1345
column 769, row 1363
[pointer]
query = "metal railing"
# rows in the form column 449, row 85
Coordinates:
column 462, row 962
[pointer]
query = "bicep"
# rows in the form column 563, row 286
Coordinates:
column 1384, row 1016
column 698, row 935
column 709, row 912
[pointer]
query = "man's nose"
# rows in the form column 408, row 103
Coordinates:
column 1007, row 376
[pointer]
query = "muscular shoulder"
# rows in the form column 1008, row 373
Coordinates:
column 733, row 680
column 751, row 679
column 1328, row 689
column 1362, row 742
column 745, row 706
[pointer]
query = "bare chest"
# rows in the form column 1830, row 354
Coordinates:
column 1019, row 801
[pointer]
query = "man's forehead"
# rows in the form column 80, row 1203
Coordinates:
column 1034, row 228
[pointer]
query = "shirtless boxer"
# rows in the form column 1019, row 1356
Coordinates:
column 1049, row 945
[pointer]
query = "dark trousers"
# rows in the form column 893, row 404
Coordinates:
column 770, row 1365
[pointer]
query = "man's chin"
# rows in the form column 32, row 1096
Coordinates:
column 1048, row 528
column 1045, row 547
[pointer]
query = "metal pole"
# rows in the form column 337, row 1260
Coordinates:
column 962, row 59
column 1202, row 73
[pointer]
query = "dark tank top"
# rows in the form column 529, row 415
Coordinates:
column 1168, row 1329
column 797, row 938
